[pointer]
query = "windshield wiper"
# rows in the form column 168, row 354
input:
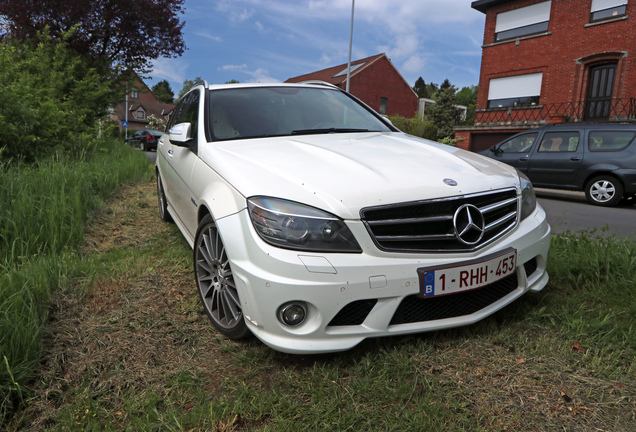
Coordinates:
column 326, row 131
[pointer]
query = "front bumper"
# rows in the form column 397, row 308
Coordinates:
column 350, row 297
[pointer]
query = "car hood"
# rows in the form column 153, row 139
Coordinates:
column 342, row 173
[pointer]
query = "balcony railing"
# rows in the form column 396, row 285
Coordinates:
column 608, row 110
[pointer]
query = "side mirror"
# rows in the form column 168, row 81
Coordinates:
column 181, row 134
column 494, row 149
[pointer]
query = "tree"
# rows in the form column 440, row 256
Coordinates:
column 467, row 96
column 420, row 88
column 128, row 33
column 424, row 90
column 443, row 113
column 188, row 84
column 163, row 92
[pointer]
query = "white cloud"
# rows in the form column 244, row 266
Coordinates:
column 413, row 65
column 209, row 36
column 232, row 67
column 261, row 75
column 173, row 70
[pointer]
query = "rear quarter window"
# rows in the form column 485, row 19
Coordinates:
column 608, row 141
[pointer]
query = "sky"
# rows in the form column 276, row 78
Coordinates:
column 273, row 40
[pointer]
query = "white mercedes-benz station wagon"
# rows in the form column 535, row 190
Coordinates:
column 316, row 224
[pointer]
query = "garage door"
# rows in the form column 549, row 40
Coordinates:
column 483, row 141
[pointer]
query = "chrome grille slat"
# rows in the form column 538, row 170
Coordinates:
column 415, row 238
column 411, row 220
column 496, row 206
column 428, row 226
column 500, row 221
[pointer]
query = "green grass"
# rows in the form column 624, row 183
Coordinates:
column 128, row 348
column 44, row 209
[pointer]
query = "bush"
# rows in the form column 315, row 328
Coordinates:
column 415, row 126
column 51, row 100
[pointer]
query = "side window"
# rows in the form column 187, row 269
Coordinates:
column 519, row 144
column 177, row 114
column 610, row 140
column 191, row 111
column 563, row 141
column 187, row 110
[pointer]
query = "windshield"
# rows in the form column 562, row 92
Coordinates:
column 281, row 111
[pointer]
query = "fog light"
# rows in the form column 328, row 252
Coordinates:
column 292, row 314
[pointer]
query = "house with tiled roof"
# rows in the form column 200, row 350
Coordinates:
column 375, row 81
column 137, row 104
column 546, row 61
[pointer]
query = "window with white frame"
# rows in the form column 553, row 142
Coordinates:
column 607, row 9
column 140, row 114
column 134, row 93
column 517, row 90
column 523, row 21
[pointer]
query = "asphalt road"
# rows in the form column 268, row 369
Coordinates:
column 570, row 211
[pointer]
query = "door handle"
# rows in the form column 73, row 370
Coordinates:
column 575, row 159
column 523, row 159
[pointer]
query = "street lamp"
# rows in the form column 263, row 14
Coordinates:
column 353, row 3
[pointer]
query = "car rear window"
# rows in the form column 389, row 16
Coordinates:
column 562, row 141
column 610, row 140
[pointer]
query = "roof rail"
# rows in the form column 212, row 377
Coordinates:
column 318, row 82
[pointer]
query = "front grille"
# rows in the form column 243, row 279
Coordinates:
column 417, row 309
column 354, row 313
column 427, row 226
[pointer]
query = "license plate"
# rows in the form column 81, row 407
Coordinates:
column 467, row 275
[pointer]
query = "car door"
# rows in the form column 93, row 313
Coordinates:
column 557, row 159
column 515, row 151
column 178, row 163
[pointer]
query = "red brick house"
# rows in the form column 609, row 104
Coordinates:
column 375, row 81
column 552, row 61
column 141, row 103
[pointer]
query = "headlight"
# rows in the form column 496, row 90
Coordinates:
column 292, row 225
column 528, row 199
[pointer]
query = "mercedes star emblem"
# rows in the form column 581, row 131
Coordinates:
column 469, row 224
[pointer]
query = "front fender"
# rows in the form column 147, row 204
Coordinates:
column 213, row 193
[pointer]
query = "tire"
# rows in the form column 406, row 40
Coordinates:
column 604, row 190
column 215, row 282
column 142, row 146
column 163, row 203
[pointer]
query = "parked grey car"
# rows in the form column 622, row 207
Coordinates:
column 599, row 159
